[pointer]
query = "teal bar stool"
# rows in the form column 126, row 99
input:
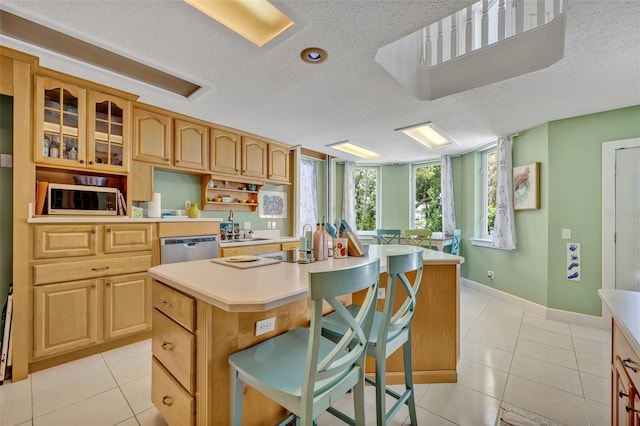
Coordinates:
column 391, row 330
column 387, row 236
column 455, row 242
column 303, row 371
column 418, row 237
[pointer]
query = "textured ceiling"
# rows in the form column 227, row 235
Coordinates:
column 270, row 92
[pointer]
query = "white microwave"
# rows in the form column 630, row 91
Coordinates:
column 82, row 200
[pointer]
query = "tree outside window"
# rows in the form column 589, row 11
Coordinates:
column 490, row 178
column 427, row 201
column 366, row 182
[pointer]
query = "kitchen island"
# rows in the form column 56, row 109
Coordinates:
column 205, row 311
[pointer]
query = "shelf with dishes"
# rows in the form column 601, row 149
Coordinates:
column 220, row 194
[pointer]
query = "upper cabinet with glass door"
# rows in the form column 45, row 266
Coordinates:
column 72, row 132
column 108, row 133
column 60, row 123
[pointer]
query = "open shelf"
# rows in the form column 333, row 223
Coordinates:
column 212, row 198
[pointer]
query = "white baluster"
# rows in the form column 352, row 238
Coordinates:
column 454, row 36
column 427, row 60
column 485, row 22
column 501, row 20
column 540, row 13
column 468, row 30
column 439, row 56
column 519, row 16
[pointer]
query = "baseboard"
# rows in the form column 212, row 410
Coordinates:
column 537, row 309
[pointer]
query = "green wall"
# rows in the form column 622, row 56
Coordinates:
column 6, row 200
column 575, row 168
column 395, row 193
column 570, row 196
column 178, row 187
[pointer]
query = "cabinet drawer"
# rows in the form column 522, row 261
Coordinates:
column 623, row 349
column 174, row 347
column 64, row 241
column 264, row 248
column 175, row 404
column 293, row 245
column 177, row 306
column 120, row 238
column 95, row 268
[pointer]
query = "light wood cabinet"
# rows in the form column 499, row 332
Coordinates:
column 142, row 178
column 278, row 163
column 89, row 284
column 123, row 238
column 108, row 132
column 65, row 317
column 190, row 145
column 65, row 241
column 625, row 381
column 173, row 378
column 258, row 248
column 152, row 136
column 81, row 130
column 224, row 152
column 127, row 305
column 254, row 158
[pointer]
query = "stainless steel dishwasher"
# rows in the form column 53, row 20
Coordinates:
column 184, row 249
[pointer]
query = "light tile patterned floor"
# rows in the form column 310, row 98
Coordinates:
column 555, row 372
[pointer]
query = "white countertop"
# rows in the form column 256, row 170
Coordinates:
column 625, row 308
column 118, row 219
column 224, row 244
column 266, row 287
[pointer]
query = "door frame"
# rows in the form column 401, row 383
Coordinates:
column 608, row 209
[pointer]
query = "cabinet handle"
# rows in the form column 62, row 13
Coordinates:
column 104, row 268
column 622, row 394
column 177, row 161
column 626, row 363
column 631, row 409
column 109, row 283
column 167, row 400
column 93, row 231
column 108, row 229
column 90, row 162
column 93, row 286
column 81, row 161
column 167, row 346
column 167, row 304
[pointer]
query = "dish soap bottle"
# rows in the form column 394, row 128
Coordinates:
column 194, row 212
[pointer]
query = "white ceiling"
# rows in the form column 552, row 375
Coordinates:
column 270, row 92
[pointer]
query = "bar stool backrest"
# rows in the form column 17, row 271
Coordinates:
column 387, row 236
column 419, row 237
column 455, row 243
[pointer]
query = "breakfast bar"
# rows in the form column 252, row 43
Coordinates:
column 204, row 311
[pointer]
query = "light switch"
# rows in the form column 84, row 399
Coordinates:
column 6, row 160
column 566, row 234
column 247, row 225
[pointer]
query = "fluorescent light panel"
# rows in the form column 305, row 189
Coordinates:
column 353, row 149
column 256, row 20
column 427, row 135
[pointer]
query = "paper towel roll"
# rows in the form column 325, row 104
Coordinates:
column 154, row 206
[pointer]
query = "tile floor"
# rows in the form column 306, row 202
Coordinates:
column 511, row 362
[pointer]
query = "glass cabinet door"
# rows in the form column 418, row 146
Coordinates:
column 108, row 137
column 60, row 123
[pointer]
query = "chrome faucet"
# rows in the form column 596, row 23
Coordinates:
column 230, row 216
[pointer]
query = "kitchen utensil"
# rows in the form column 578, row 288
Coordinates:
column 90, row 180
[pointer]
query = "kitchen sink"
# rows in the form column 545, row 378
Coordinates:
column 243, row 240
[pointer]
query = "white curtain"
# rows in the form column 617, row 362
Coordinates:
column 308, row 194
column 504, row 231
column 446, row 189
column 349, row 195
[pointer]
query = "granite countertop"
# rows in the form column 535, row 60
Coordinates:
column 625, row 308
column 269, row 286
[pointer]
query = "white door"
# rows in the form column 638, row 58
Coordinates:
column 627, row 217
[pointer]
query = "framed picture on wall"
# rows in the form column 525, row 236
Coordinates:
column 272, row 204
column 526, row 187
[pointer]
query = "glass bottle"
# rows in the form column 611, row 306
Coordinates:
column 318, row 246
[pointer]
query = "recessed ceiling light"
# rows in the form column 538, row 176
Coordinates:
column 427, row 134
column 313, row 55
column 354, row 149
column 257, row 20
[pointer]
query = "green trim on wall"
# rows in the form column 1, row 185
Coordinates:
column 395, row 196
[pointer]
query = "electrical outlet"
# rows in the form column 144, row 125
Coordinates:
column 247, row 225
column 490, row 275
column 382, row 293
column 566, row 234
column 265, row 326
column 187, row 204
column 269, row 225
column 273, row 225
column 6, row 160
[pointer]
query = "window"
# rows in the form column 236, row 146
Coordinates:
column 489, row 185
column 367, row 195
column 426, row 210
